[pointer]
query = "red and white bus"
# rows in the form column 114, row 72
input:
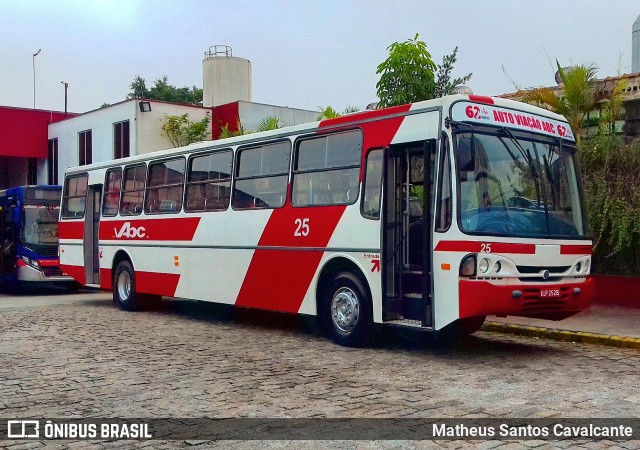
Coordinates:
column 431, row 215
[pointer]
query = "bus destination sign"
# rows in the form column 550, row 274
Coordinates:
column 494, row 115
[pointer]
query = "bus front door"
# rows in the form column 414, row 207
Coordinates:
column 91, row 227
column 407, row 233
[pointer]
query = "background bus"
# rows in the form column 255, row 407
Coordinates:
column 29, row 237
column 431, row 216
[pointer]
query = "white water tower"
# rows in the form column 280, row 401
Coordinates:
column 635, row 47
column 226, row 78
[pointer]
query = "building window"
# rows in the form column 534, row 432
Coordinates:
column 32, row 171
column 121, row 140
column 135, row 178
column 262, row 173
column 84, row 147
column 165, row 187
column 52, row 162
column 327, row 170
column 209, row 181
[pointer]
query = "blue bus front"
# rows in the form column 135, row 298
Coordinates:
column 30, row 235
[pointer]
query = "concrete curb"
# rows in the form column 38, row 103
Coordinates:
column 562, row 335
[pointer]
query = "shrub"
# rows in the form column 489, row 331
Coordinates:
column 611, row 180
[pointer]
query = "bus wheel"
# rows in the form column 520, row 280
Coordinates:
column 124, row 286
column 348, row 311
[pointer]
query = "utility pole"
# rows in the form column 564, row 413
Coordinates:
column 34, row 76
column 66, row 85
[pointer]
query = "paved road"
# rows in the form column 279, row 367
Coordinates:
column 84, row 358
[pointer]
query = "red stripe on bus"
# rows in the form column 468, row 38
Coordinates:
column 106, row 281
column 49, row 262
column 576, row 250
column 70, row 230
column 75, row 272
column 263, row 285
column 488, row 247
column 157, row 283
column 161, row 229
column 278, row 280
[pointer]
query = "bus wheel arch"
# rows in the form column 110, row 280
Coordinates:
column 344, row 305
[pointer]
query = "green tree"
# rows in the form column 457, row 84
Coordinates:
column 181, row 131
column 576, row 99
column 443, row 84
column 329, row 113
column 407, row 75
column 163, row 91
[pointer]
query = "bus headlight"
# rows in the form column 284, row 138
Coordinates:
column 468, row 266
column 30, row 262
column 484, row 265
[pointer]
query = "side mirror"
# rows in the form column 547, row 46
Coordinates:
column 466, row 154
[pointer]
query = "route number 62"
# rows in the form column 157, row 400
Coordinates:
column 302, row 227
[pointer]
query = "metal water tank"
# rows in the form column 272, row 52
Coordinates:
column 635, row 46
column 226, row 78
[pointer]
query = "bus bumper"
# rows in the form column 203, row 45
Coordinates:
column 48, row 274
column 553, row 301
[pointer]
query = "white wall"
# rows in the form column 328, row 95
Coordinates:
column 145, row 131
column 100, row 122
column 251, row 114
column 150, row 138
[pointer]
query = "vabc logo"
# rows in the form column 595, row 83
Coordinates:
column 127, row 231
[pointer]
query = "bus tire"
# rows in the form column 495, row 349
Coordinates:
column 124, row 287
column 347, row 310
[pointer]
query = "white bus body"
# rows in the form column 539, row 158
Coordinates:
column 328, row 219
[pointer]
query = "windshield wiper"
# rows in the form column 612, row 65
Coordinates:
column 527, row 157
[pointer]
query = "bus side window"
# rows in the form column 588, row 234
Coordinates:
column 134, row 180
column 327, row 169
column 444, row 202
column 209, row 181
column 112, row 188
column 262, row 174
column 74, row 196
column 372, row 185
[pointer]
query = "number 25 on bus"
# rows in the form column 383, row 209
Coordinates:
column 431, row 215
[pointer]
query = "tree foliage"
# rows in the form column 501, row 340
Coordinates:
column 163, row 91
column 611, row 176
column 444, row 85
column 576, row 99
column 181, row 131
column 579, row 95
column 329, row 113
column 407, row 75
column 266, row 124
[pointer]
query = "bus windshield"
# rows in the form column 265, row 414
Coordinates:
column 521, row 186
column 40, row 225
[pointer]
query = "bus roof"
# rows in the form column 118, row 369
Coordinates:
column 353, row 119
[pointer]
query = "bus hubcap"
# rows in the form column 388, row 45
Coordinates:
column 345, row 309
column 124, row 286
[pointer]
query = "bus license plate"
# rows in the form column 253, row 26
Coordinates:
column 549, row 293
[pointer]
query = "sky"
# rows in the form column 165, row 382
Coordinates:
column 304, row 54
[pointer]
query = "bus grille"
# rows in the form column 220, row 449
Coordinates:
column 532, row 303
column 52, row 272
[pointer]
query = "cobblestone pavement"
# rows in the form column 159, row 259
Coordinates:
column 189, row 359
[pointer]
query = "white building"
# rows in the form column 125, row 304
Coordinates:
column 128, row 128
